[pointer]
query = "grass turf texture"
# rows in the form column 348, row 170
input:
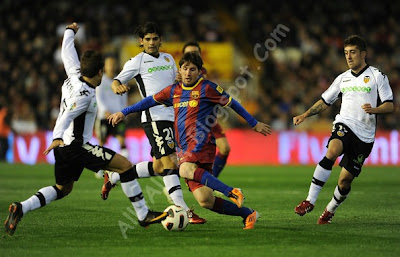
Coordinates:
column 367, row 223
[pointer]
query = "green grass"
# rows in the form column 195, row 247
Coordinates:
column 367, row 223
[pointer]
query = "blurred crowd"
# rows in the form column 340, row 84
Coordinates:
column 305, row 62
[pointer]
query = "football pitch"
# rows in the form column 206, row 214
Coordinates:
column 366, row 224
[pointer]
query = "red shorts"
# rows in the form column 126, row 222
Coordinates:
column 193, row 185
column 217, row 131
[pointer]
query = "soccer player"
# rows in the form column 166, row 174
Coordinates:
column 71, row 134
column 154, row 70
column 220, row 138
column 195, row 102
column 107, row 103
column 365, row 92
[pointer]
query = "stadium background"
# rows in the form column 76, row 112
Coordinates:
column 304, row 56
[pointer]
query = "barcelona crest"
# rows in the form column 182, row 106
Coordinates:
column 366, row 79
column 195, row 94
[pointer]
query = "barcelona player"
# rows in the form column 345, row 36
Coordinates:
column 220, row 138
column 196, row 102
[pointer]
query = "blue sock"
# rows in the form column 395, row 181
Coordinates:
column 222, row 206
column 205, row 178
column 219, row 164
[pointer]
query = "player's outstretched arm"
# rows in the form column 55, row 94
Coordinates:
column 257, row 126
column 318, row 107
column 387, row 107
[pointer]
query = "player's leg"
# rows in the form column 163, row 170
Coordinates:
column 340, row 194
column 222, row 155
column 204, row 196
column 323, row 170
column 66, row 172
column 191, row 171
column 102, row 129
column 119, row 132
column 132, row 190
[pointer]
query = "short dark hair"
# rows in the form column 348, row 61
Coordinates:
column 356, row 40
column 191, row 44
column 193, row 58
column 91, row 63
column 149, row 27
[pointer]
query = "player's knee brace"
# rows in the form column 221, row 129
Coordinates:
column 326, row 163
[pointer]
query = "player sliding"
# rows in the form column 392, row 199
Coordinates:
column 361, row 88
column 195, row 102
column 71, row 134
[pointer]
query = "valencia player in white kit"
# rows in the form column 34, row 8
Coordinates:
column 365, row 93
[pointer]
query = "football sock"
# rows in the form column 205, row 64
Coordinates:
column 204, row 177
column 132, row 190
column 43, row 197
column 222, row 206
column 321, row 175
column 143, row 169
column 219, row 164
column 338, row 197
column 173, row 186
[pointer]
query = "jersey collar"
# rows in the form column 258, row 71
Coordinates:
column 200, row 79
column 158, row 55
column 361, row 71
column 90, row 85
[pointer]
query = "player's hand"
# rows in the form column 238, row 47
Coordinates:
column 263, row 128
column 54, row 144
column 298, row 119
column 74, row 26
column 368, row 108
column 115, row 118
column 119, row 89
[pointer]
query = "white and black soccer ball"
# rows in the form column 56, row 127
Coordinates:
column 176, row 220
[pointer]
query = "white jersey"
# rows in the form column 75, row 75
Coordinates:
column 78, row 99
column 107, row 100
column 152, row 74
column 368, row 86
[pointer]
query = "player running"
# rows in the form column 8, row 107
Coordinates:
column 195, row 102
column 153, row 70
column 365, row 92
column 71, row 134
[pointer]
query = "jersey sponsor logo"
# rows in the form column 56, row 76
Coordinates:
column 220, row 89
column 191, row 103
column 366, row 79
column 159, row 68
column 195, row 94
column 356, row 89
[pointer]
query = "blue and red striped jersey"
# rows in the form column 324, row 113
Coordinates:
column 195, row 110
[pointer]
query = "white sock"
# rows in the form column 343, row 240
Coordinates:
column 142, row 169
column 133, row 191
column 320, row 176
column 172, row 182
column 337, row 199
column 46, row 195
column 114, row 177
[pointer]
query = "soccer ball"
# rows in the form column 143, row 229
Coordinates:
column 176, row 220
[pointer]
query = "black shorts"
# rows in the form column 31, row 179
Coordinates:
column 161, row 137
column 104, row 129
column 355, row 151
column 71, row 159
